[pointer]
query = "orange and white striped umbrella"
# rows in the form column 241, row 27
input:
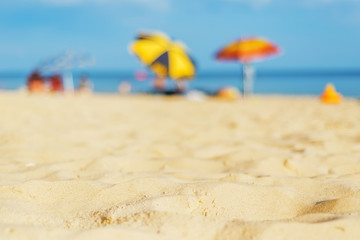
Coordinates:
column 247, row 50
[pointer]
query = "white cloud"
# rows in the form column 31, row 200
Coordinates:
column 152, row 4
column 323, row 3
column 252, row 3
column 61, row 2
column 262, row 3
column 330, row 1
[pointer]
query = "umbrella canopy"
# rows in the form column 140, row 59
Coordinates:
column 66, row 62
column 148, row 47
column 163, row 57
column 247, row 50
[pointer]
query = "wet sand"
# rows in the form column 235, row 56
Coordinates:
column 150, row 167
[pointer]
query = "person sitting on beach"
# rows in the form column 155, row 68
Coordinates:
column 181, row 86
column 35, row 82
column 159, row 84
column 124, row 87
column 85, row 85
column 56, row 84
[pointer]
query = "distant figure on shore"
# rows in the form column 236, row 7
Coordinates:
column 56, row 83
column 181, row 86
column 159, row 84
column 124, row 87
column 35, row 82
column 161, row 87
column 86, row 85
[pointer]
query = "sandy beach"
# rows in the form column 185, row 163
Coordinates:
column 150, row 167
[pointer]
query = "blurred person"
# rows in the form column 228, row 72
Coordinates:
column 35, row 82
column 124, row 87
column 86, row 85
column 159, row 84
column 181, row 86
column 56, row 83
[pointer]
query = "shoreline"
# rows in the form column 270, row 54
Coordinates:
column 23, row 91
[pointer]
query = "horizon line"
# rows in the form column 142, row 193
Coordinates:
column 286, row 72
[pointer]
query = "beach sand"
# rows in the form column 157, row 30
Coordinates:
column 150, row 167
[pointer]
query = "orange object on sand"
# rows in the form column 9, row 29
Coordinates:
column 35, row 82
column 229, row 93
column 36, row 86
column 330, row 96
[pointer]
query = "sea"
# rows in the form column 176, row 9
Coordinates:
column 277, row 82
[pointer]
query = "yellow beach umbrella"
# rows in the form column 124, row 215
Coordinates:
column 163, row 57
column 174, row 63
column 148, row 47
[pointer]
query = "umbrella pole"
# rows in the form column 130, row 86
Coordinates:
column 248, row 77
column 69, row 82
column 243, row 78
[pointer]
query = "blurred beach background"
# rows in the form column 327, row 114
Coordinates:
column 318, row 40
column 281, row 164
column 284, row 82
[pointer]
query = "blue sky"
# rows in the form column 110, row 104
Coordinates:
column 312, row 33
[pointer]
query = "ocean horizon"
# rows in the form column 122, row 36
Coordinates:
column 284, row 82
